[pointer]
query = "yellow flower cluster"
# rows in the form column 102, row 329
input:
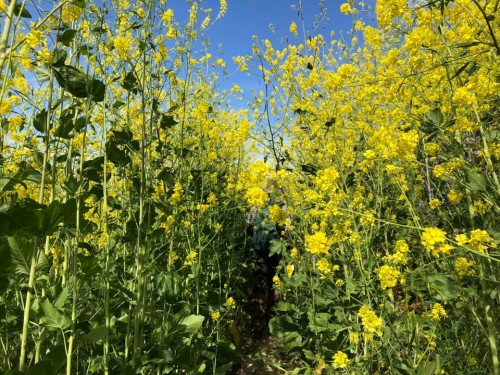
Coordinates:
column 388, row 276
column 191, row 258
column 318, row 243
column 372, row 324
column 437, row 312
column 433, row 239
column 340, row 360
column 464, row 267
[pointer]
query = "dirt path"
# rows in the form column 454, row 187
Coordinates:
column 261, row 358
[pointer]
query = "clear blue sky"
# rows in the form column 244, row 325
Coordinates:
column 246, row 18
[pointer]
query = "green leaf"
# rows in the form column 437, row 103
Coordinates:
column 52, row 318
column 5, row 264
column 22, row 252
column 475, row 181
column 192, row 323
column 276, row 247
column 19, row 10
column 130, row 82
column 53, row 216
column 435, row 116
column 318, row 322
column 62, row 298
column 59, row 57
column 96, row 334
column 40, row 121
column 42, row 368
column 167, row 121
column 79, row 3
column 66, row 37
column 79, row 84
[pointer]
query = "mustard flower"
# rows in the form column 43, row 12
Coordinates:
column 388, row 276
column 256, row 197
column 293, row 28
column 438, row 312
column 346, row 9
column 372, row 324
column 340, row 360
column 434, row 203
column 289, row 270
column 432, row 237
column 455, row 196
column 230, row 303
column 215, row 315
column 463, row 267
column 318, row 243
column 191, row 258
column 480, row 239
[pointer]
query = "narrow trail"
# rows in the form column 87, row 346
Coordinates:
column 261, row 357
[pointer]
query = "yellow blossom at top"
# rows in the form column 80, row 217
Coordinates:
column 70, row 13
column 293, row 28
column 346, row 9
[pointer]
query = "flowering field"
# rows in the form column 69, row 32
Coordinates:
column 127, row 178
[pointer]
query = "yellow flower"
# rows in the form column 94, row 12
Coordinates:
column 293, row 28
column 168, row 16
column 432, row 237
column 324, row 267
column 434, row 203
column 455, row 196
column 289, row 270
column 438, row 312
column 294, row 253
column 277, row 281
column 318, row 243
column 346, row 9
column 256, row 197
column 463, row 267
column 372, row 324
column 230, row 303
column 191, row 258
column 340, row 360
column 70, row 13
column 388, row 276
column 215, row 315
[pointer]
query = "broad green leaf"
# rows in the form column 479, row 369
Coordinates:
column 435, row 116
column 79, row 84
column 53, row 216
column 52, row 318
column 44, row 367
column 22, row 252
column 19, row 10
column 167, row 121
column 40, row 121
column 66, row 37
column 276, row 247
column 5, row 264
column 475, row 181
column 193, row 323
column 62, row 298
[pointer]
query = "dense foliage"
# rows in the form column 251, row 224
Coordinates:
column 126, row 179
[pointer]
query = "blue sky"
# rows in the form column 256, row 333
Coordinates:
column 246, row 18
